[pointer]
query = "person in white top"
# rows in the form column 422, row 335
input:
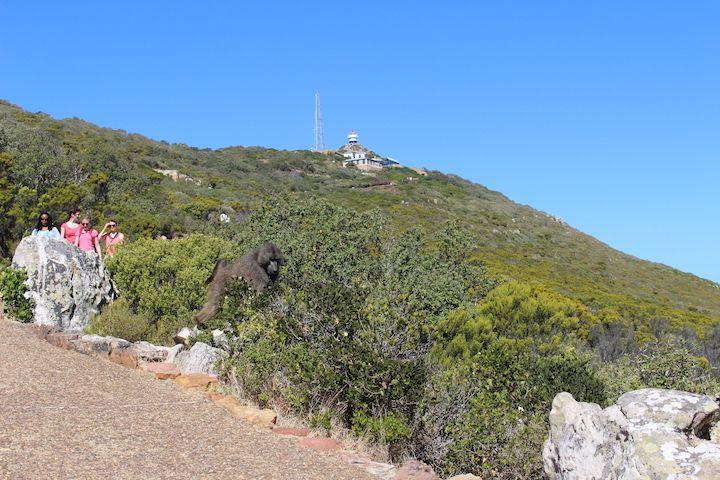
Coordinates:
column 45, row 227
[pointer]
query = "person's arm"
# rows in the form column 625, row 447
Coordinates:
column 77, row 238
column 97, row 248
column 103, row 232
column 62, row 231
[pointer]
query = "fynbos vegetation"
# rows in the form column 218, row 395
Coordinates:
column 427, row 314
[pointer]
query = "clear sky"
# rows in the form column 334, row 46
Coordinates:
column 606, row 114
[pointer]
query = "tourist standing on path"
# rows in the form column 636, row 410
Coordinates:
column 87, row 239
column 70, row 229
column 113, row 238
column 45, row 227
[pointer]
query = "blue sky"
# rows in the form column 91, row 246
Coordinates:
column 606, row 114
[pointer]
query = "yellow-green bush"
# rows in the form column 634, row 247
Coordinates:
column 164, row 281
column 118, row 320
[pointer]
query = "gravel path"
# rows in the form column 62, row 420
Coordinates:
column 64, row 415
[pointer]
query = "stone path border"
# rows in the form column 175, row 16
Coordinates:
column 208, row 384
column 122, row 353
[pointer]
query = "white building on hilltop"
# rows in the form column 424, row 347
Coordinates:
column 363, row 158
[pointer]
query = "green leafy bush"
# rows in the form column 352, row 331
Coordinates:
column 669, row 363
column 346, row 330
column 118, row 320
column 164, row 281
column 504, row 358
column 12, row 288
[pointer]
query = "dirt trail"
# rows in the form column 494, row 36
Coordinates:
column 64, row 415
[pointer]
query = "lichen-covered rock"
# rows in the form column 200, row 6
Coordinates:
column 173, row 351
column 650, row 434
column 67, row 284
column 199, row 359
column 220, row 340
column 148, row 352
column 185, row 335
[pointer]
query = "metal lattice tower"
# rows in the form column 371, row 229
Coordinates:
column 319, row 135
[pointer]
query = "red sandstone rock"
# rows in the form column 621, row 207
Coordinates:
column 263, row 418
column 40, row 331
column 321, row 444
column 124, row 356
column 293, row 432
column 162, row 370
column 200, row 381
column 61, row 339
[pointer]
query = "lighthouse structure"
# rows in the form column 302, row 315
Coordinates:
column 355, row 154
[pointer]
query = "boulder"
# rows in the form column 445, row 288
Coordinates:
column 199, row 359
column 465, row 476
column 185, row 335
column 649, row 434
column 415, row 470
column 382, row 471
column 260, row 417
column 173, row 351
column 125, row 356
column 62, row 339
column 147, row 352
column 220, row 340
column 92, row 345
column 67, row 285
column 196, row 381
column 161, row 370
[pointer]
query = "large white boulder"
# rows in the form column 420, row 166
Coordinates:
column 67, row 284
column 200, row 358
column 649, row 434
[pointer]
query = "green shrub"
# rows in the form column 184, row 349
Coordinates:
column 512, row 310
column 669, row 363
column 502, row 361
column 118, row 320
column 346, row 330
column 12, row 288
column 164, row 281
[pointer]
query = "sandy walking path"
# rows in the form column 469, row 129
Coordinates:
column 64, row 415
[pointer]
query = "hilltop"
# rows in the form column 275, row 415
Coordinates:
column 154, row 187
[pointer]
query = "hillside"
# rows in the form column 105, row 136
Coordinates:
column 52, row 164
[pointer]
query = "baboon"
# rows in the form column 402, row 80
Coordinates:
column 258, row 268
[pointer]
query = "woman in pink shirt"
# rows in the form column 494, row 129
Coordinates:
column 70, row 229
column 87, row 239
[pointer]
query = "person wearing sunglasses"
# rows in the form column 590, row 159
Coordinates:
column 87, row 239
column 112, row 236
column 45, row 227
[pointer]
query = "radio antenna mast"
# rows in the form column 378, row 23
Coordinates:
column 319, row 135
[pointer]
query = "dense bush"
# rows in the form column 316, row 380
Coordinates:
column 12, row 288
column 505, row 359
column 346, row 331
column 118, row 320
column 668, row 363
column 164, row 281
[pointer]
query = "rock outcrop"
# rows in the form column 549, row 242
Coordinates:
column 200, row 358
column 649, row 434
column 67, row 285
